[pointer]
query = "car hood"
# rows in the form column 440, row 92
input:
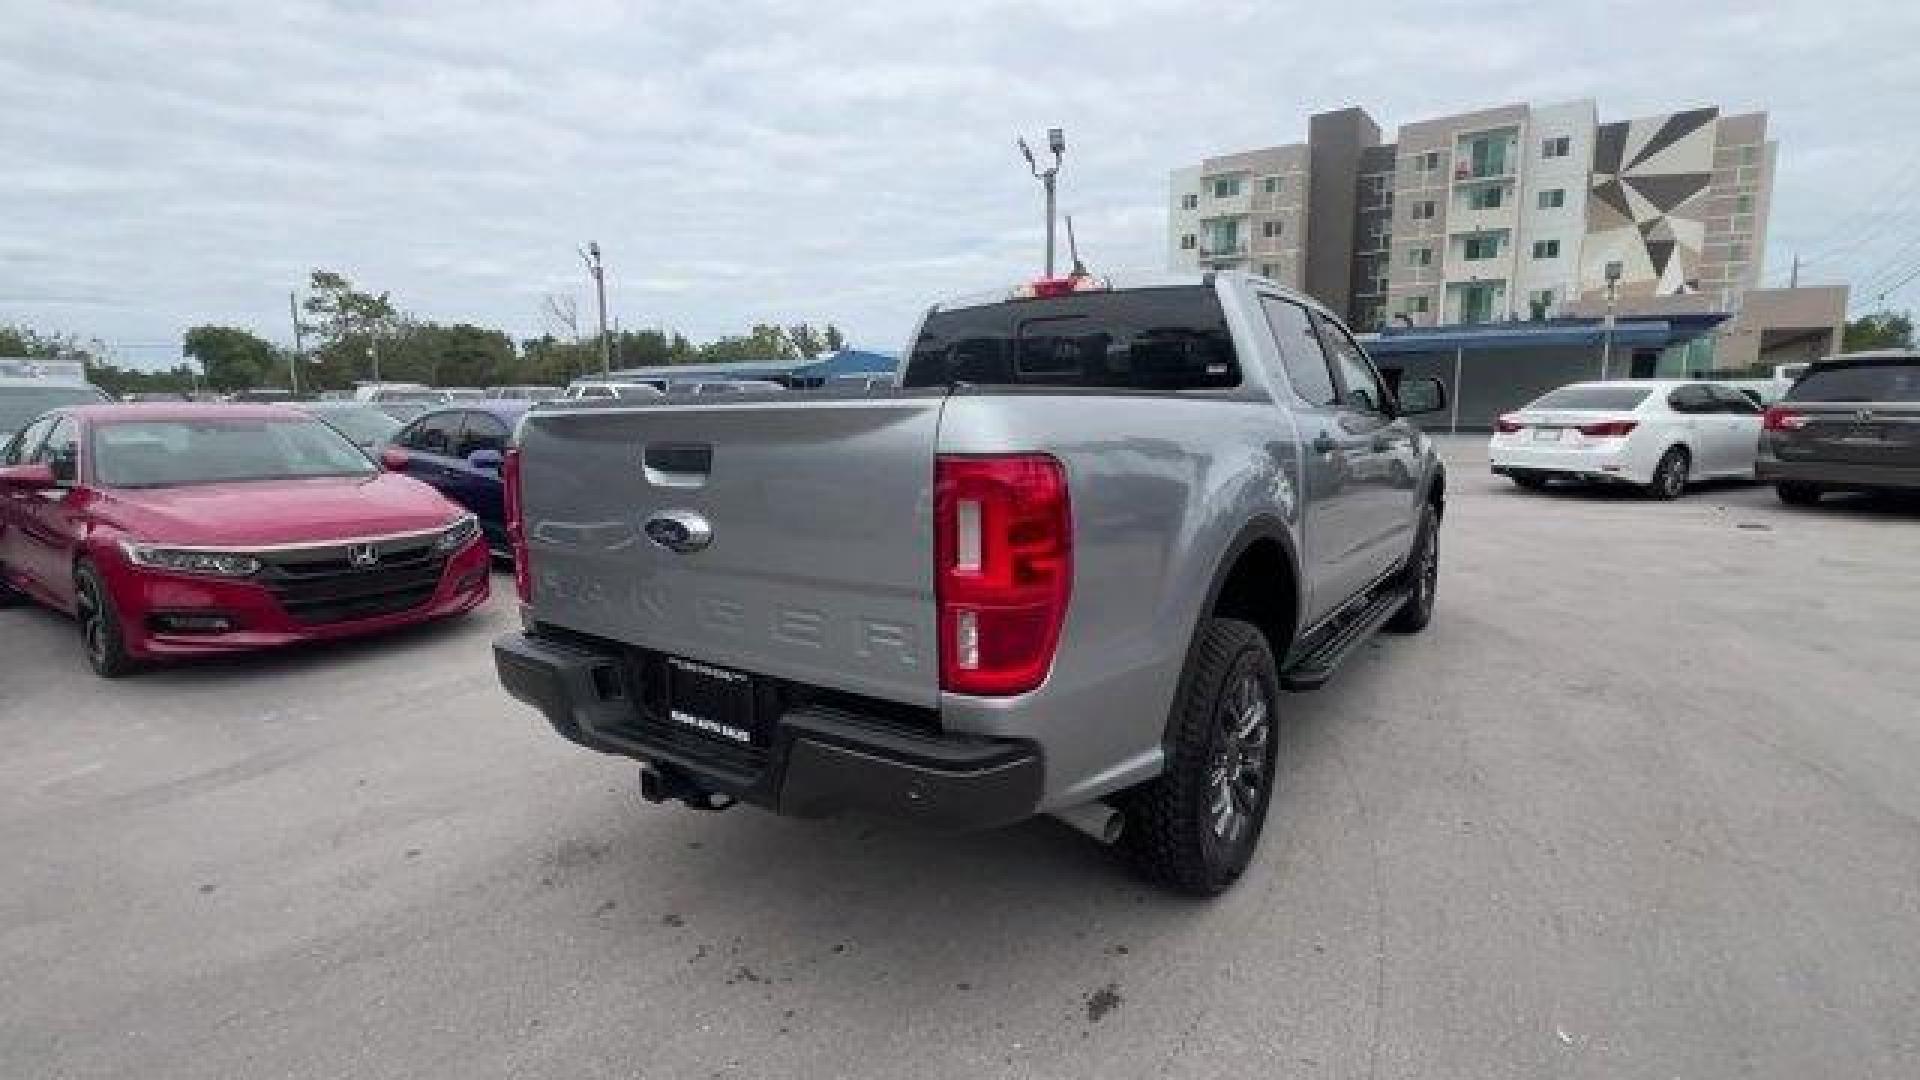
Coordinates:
column 314, row 510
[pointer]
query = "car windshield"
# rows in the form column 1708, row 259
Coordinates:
column 1890, row 380
column 1610, row 398
column 212, row 450
column 363, row 425
column 1172, row 338
column 20, row 404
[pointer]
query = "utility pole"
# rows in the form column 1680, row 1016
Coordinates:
column 1606, row 348
column 1793, row 279
column 598, row 271
column 1057, row 143
column 299, row 346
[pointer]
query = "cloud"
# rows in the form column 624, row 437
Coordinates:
column 176, row 163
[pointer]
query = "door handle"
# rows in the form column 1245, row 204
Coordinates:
column 1323, row 444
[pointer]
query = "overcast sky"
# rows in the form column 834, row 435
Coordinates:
column 172, row 163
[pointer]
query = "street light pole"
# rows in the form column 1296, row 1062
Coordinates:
column 598, row 271
column 1057, row 143
column 299, row 348
column 1606, row 348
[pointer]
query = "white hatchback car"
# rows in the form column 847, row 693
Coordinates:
column 1656, row 433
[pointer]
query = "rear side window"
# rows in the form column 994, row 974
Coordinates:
column 433, row 434
column 1300, row 351
column 1610, row 398
column 1142, row 339
column 1892, row 380
column 1732, row 399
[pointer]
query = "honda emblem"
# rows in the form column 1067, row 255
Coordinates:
column 362, row 556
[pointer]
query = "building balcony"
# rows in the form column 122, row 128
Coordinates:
column 1467, row 174
column 1224, row 254
column 1232, row 206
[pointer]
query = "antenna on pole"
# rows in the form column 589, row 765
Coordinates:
column 1073, row 252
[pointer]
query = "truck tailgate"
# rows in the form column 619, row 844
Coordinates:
column 819, row 565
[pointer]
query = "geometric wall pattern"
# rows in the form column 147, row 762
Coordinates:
column 1648, row 203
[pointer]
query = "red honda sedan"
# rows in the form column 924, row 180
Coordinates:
column 186, row 530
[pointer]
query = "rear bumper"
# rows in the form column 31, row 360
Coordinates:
column 1589, row 459
column 818, row 762
column 1838, row 474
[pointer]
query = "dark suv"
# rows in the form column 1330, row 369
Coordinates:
column 1852, row 423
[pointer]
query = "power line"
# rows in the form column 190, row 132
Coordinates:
column 1862, row 224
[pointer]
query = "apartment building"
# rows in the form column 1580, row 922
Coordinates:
column 1509, row 213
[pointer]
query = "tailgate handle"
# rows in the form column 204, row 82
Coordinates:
column 678, row 464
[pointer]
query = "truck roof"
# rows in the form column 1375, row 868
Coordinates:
column 1130, row 281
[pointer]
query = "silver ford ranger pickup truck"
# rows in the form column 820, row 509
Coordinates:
column 1072, row 565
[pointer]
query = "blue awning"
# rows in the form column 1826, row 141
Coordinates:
column 1480, row 337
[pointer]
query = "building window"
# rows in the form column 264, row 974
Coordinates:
column 1226, row 187
column 1540, row 303
column 1485, row 198
column 1553, row 198
column 1270, row 270
column 1557, row 147
column 1430, row 161
column 1749, row 155
column 1736, row 253
column 1273, row 185
column 1270, row 229
column 1188, row 242
column 1546, row 249
column 1223, row 236
column 1743, row 204
column 1420, row 256
column 1190, row 201
column 1479, row 248
column 1417, row 304
column 1423, row 210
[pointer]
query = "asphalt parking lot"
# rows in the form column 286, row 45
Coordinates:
column 1644, row 801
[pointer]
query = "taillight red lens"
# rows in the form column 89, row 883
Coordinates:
column 1781, row 418
column 516, row 529
column 1506, row 425
column 1609, row 429
column 1003, row 569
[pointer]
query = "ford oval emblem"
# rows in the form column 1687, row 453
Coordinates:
column 679, row 530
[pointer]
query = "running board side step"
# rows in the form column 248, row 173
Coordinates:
column 1311, row 669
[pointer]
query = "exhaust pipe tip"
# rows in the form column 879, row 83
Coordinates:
column 1097, row 820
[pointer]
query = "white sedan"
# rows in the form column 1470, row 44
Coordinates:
column 1658, row 434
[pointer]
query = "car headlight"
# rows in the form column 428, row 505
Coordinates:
column 459, row 534
column 191, row 561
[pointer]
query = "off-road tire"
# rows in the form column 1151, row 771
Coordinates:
column 1172, row 832
column 1422, row 577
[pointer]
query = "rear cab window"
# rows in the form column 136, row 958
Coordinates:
column 1164, row 339
column 1894, row 379
column 1609, row 398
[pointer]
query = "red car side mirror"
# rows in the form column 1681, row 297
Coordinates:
column 393, row 459
column 37, row 477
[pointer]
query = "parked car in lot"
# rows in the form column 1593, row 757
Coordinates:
column 709, row 387
column 364, row 425
column 1851, row 423
column 1068, row 569
column 190, row 530
column 403, row 411
column 1658, row 434
column 610, row 388
column 458, row 450
column 525, row 393
column 23, row 399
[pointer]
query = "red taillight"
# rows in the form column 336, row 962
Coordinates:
column 1506, row 425
column 1043, row 288
column 516, row 529
column 1609, row 429
column 1003, row 569
column 1781, row 418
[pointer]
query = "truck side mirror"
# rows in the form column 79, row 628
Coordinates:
column 1422, row 396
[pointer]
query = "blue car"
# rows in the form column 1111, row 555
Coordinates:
column 459, row 449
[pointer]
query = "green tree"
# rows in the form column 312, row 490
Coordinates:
column 26, row 341
column 766, row 342
column 350, row 324
column 232, row 358
column 1879, row 330
column 651, row 348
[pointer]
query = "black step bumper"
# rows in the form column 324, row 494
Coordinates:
column 819, row 760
